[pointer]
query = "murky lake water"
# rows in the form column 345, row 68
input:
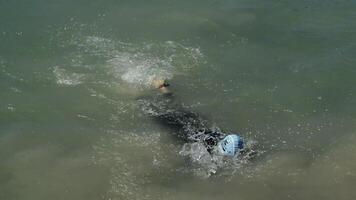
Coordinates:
column 281, row 73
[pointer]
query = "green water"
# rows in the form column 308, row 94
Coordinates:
column 282, row 73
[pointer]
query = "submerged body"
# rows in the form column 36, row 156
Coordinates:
column 187, row 125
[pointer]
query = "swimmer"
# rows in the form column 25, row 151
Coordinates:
column 188, row 125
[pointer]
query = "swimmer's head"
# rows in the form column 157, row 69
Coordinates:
column 230, row 145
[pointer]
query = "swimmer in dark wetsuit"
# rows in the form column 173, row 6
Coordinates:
column 188, row 125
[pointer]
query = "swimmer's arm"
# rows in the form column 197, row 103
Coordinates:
column 161, row 85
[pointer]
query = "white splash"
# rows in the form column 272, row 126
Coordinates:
column 65, row 78
column 137, row 64
column 139, row 69
column 205, row 164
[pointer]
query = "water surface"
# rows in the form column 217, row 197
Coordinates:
column 281, row 73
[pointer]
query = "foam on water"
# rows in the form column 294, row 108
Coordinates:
column 143, row 63
column 96, row 46
column 65, row 78
column 127, row 63
column 206, row 164
column 138, row 70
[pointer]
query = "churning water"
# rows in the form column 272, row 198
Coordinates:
column 280, row 73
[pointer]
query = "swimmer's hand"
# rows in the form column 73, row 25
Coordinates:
column 157, row 83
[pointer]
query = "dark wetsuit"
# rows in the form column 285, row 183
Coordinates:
column 187, row 125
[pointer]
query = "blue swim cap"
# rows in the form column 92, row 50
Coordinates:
column 230, row 145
